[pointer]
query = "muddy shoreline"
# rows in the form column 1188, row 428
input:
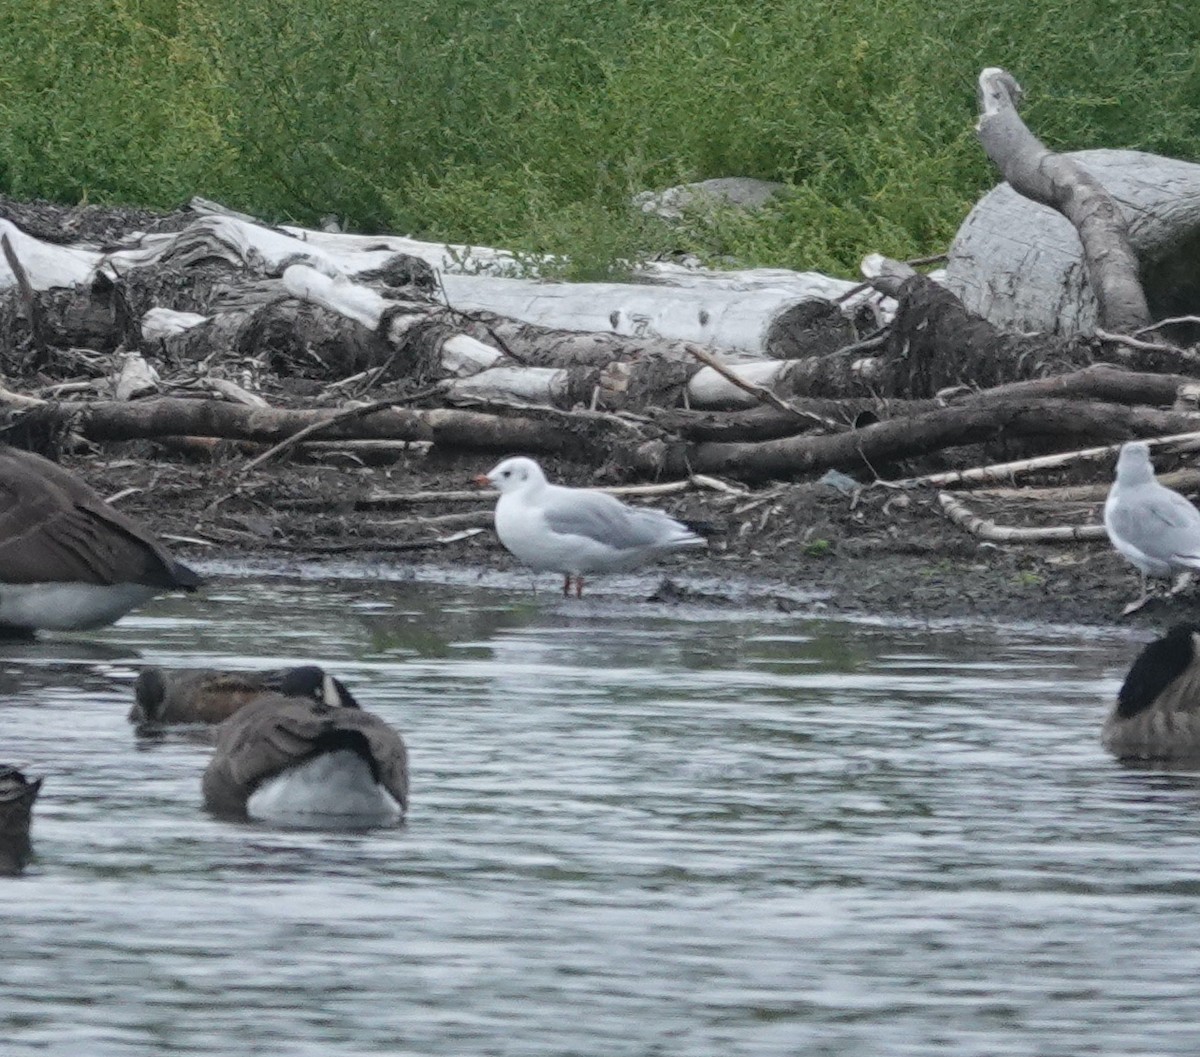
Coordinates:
column 793, row 547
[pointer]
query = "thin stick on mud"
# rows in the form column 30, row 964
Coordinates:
column 1004, row 471
column 348, row 415
column 1188, row 355
column 1180, row 480
column 957, row 512
column 383, row 500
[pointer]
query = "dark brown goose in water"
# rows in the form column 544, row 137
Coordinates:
column 1157, row 714
column 69, row 560
column 201, row 695
column 17, row 794
column 295, row 761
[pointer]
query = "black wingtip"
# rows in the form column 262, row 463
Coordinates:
column 1155, row 668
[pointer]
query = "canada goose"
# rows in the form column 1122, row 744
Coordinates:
column 201, row 695
column 17, row 794
column 68, row 560
column 294, row 761
column 576, row 531
column 1157, row 714
column 1155, row 529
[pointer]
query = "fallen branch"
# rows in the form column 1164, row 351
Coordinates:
column 386, row 500
column 1048, row 421
column 1005, row 471
column 1187, row 355
column 1058, row 182
column 350, row 414
column 590, row 436
column 989, row 530
column 25, row 290
column 1084, row 494
column 761, row 393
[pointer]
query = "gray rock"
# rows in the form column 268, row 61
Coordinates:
column 743, row 192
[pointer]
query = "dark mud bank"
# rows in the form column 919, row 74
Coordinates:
column 803, row 547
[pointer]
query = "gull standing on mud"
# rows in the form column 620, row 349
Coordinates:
column 576, row 531
column 1154, row 527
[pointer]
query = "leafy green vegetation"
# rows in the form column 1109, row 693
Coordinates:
column 530, row 123
column 818, row 548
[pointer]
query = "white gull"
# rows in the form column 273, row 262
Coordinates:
column 1154, row 528
column 577, row 531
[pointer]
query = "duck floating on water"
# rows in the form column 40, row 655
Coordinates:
column 165, row 696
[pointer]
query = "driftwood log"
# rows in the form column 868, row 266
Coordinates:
column 1076, row 241
column 208, row 325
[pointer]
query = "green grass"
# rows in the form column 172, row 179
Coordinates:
column 529, row 123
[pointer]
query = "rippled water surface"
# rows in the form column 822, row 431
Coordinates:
column 634, row 830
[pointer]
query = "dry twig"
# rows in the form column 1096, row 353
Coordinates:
column 989, row 530
column 1006, row 470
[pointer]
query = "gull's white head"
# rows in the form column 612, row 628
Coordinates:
column 1133, row 464
column 515, row 474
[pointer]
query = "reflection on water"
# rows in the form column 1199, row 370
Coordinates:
column 634, row 830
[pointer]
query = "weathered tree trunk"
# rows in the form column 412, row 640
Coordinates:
column 1021, row 264
column 468, row 430
column 1061, row 183
column 1052, row 423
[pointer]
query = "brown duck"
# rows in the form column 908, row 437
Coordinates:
column 164, row 696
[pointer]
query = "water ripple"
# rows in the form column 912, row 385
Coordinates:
column 631, row 834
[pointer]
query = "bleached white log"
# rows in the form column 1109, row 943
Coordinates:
column 1019, row 264
column 463, row 355
column 473, row 360
column 731, row 312
column 709, row 388
column 134, row 378
column 348, row 299
column 531, row 385
column 47, row 264
column 162, row 323
column 729, row 320
column 547, row 385
column 451, row 259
